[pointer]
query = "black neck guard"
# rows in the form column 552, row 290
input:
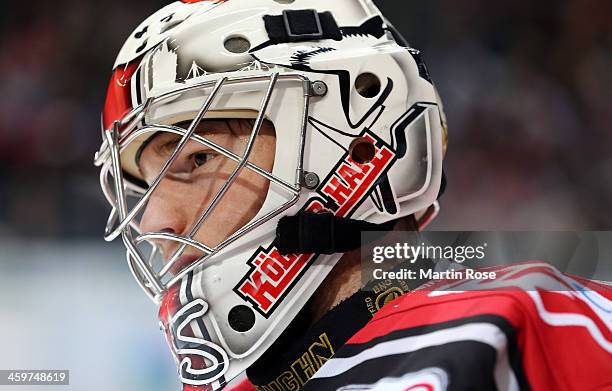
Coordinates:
column 302, row 349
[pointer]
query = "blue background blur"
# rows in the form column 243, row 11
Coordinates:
column 527, row 89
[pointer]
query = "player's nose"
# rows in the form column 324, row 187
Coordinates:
column 166, row 210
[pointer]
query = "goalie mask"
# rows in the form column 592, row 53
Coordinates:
column 230, row 117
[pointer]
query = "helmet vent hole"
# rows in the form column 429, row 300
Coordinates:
column 367, row 85
column 237, row 44
column 362, row 150
column 241, row 318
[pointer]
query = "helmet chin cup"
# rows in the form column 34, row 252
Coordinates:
column 357, row 133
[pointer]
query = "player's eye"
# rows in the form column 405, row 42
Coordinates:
column 201, row 158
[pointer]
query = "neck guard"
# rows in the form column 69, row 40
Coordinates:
column 302, row 349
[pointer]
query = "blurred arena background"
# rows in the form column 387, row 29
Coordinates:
column 527, row 90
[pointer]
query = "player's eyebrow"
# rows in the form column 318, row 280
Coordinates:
column 169, row 146
column 202, row 129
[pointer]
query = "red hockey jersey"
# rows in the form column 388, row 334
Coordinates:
column 530, row 328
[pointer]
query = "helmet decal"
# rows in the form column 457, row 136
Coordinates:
column 189, row 346
column 271, row 275
column 199, row 360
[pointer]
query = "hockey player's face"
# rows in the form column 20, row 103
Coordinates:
column 197, row 175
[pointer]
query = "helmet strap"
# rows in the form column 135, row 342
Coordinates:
column 323, row 233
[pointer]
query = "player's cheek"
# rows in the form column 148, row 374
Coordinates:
column 264, row 151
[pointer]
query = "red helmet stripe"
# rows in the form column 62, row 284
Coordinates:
column 118, row 97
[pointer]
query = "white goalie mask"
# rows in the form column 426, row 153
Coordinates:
column 354, row 128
